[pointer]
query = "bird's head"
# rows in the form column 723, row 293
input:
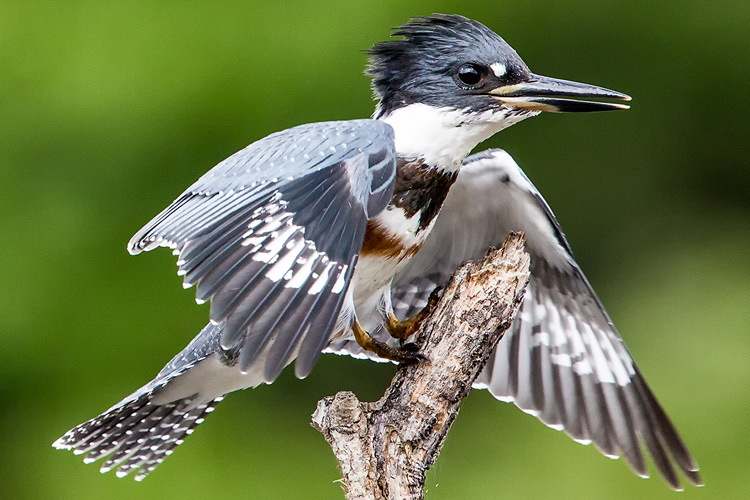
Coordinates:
column 453, row 71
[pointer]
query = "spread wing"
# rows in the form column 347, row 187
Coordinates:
column 562, row 360
column 271, row 236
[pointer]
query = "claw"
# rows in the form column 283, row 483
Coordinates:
column 414, row 347
column 433, row 300
column 402, row 330
column 408, row 353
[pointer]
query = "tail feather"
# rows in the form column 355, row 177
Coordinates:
column 136, row 433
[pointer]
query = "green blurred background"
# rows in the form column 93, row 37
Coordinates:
column 108, row 110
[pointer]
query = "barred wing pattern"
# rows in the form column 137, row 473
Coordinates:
column 143, row 429
column 562, row 360
column 274, row 254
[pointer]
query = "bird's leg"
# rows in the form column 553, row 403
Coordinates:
column 402, row 330
column 369, row 343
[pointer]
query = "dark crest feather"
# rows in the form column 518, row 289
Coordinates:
column 413, row 68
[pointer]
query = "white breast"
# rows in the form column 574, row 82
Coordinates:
column 444, row 136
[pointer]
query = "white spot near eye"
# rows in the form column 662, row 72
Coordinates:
column 499, row 69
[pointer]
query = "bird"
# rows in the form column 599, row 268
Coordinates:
column 320, row 237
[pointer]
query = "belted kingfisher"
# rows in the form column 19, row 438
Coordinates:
column 305, row 241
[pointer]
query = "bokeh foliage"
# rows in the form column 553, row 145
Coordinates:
column 108, row 110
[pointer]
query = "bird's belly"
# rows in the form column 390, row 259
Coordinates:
column 390, row 241
column 371, row 285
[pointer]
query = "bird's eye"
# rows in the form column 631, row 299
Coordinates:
column 470, row 74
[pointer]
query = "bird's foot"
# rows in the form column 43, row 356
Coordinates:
column 408, row 353
column 402, row 330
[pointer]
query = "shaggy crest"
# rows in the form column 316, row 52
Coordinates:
column 435, row 46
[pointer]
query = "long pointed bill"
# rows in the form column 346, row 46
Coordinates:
column 542, row 93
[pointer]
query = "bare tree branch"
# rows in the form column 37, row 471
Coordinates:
column 385, row 448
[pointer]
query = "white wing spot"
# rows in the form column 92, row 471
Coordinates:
column 303, row 273
column 284, row 265
column 321, row 281
column 277, row 242
column 340, row 282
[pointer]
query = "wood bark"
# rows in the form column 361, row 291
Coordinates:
column 385, row 448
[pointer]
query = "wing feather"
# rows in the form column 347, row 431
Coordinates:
column 562, row 359
column 271, row 234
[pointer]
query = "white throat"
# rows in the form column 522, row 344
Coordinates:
column 443, row 137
